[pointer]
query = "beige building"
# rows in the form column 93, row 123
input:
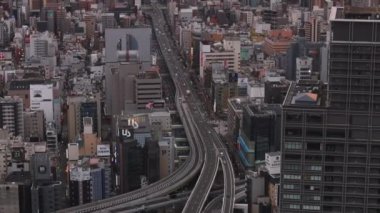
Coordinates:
column 34, row 125
column 148, row 88
column 79, row 107
column 9, row 198
column 73, row 113
column 90, row 139
column 5, row 157
column 166, row 156
column 21, row 88
column 11, row 115
column 120, row 77
column 90, row 21
column 227, row 53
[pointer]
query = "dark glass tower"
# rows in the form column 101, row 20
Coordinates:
column 331, row 136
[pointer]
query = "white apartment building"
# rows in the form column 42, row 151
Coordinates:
column 227, row 53
column 303, row 68
column 41, row 98
column 273, row 162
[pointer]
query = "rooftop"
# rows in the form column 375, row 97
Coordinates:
column 305, row 93
column 24, row 84
column 148, row 75
column 357, row 13
column 18, row 177
column 237, row 103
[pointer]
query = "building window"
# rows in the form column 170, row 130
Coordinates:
column 311, row 188
column 313, row 168
column 292, row 196
column 313, row 177
column 294, row 117
column 312, row 198
column 294, row 206
column 293, row 132
column 293, row 145
column 294, row 167
column 291, row 186
column 292, row 177
column 310, row 207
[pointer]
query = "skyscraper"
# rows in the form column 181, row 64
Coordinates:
column 11, row 115
column 4, row 35
column 330, row 139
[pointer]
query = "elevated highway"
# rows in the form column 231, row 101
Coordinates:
column 206, row 148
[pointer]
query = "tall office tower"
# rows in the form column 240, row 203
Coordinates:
column 47, row 195
column 90, row 21
column 9, row 194
column 330, row 144
column 51, row 137
column 108, row 21
column 258, row 133
column 91, row 108
column 4, row 35
column 131, row 164
column 11, row 115
column 61, row 21
column 130, row 157
column 35, row 5
column 38, row 46
column 80, row 107
column 34, row 126
column 80, row 186
column 303, row 68
column 50, row 18
column 129, row 40
column 148, row 87
column 120, row 88
column 313, row 29
column 41, row 98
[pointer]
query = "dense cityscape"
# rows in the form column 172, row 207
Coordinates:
column 166, row 106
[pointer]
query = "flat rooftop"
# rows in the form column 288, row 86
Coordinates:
column 308, row 93
column 355, row 13
column 148, row 75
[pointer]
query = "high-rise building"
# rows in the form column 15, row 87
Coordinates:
column 4, row 35
column 259, row 133
column 79, row 108
column 89, row 139
column 313, row 29
column 51, row 137
column 91, row 108
column 129, row 40
column 166, row 146
column 148, row 87
column 330, row 141
column 108, row 21
column 9, row 198
column 51, row 20
column 131, row 164
column 152, row 153
column 35, row 5
column 303, row 68
column 120, row 86
column 228, row 55
column 34, row 126
column 11, row 115
column 41, row 98
column 46, row 195
column 80, row 186
column 90, row 21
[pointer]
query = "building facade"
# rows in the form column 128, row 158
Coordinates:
column 330, row 153
column 11, row 115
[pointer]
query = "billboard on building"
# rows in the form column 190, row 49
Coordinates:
column 103, row 150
